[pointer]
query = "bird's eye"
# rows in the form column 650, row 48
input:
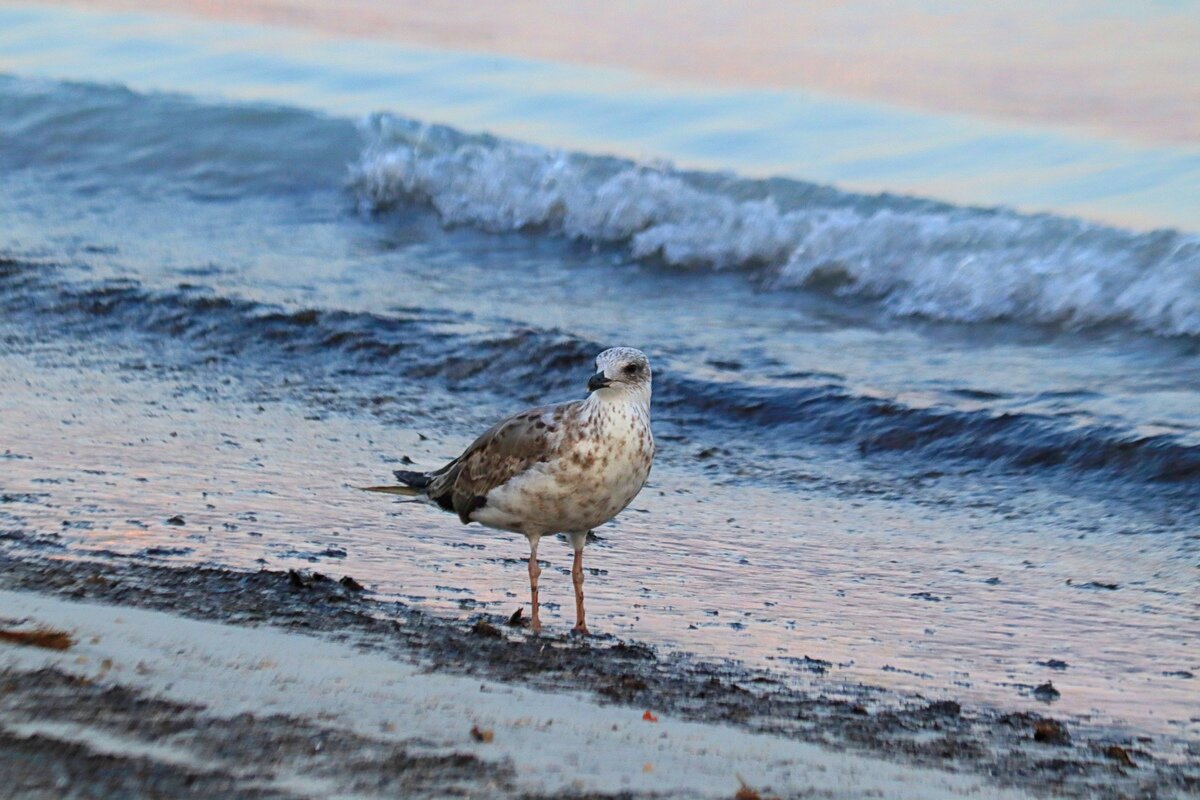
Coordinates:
column 631, row 369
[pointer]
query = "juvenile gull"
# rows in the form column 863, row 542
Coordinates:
column 564, row 468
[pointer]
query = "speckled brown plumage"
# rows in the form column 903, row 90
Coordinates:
column 563, row 468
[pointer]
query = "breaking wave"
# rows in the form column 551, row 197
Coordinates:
column 913, row 257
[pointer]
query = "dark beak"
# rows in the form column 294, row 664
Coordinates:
column 597, row 381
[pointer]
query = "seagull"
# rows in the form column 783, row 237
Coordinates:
column 564, row 468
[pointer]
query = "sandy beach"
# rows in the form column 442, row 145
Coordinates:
column 920, row 288
column 208, row 683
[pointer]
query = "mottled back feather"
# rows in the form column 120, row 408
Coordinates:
column 507, row 449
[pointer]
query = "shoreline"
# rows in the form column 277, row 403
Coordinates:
column 870, row 733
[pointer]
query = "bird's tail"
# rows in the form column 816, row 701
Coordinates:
column 407, row 491
column 414, row 484
column 416, row 480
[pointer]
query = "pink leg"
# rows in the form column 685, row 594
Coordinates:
column 535, row 621
column 577, row 578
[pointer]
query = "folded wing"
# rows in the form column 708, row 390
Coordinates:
column 506, row 450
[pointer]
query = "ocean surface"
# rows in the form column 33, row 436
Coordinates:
column 927, row 389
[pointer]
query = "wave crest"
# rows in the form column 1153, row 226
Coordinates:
column 915, row 257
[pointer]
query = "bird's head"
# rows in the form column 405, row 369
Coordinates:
column 622, row 371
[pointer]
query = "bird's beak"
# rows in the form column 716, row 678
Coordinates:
column 598, row 381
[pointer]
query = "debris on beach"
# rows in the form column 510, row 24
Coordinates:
column 176, row 520
column 941, row 708
column 633, row 650
column 746, row 792
column 517, row 620
column 1047, row 693
column 485, row 735
column 1120, row 755
column 1108, row 587
column 48, row 638
column 816, row 665
column 624, row 687
column 301, row 581
column 484, row 628
column 1050, row 731
column 1014, row 744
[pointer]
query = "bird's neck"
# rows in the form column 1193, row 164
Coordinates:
column 637, row 399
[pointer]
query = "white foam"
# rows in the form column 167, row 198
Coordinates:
column 915, row 258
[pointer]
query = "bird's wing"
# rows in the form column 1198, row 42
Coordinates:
column 507, row 449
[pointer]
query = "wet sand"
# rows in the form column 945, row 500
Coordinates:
column 215, row 683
